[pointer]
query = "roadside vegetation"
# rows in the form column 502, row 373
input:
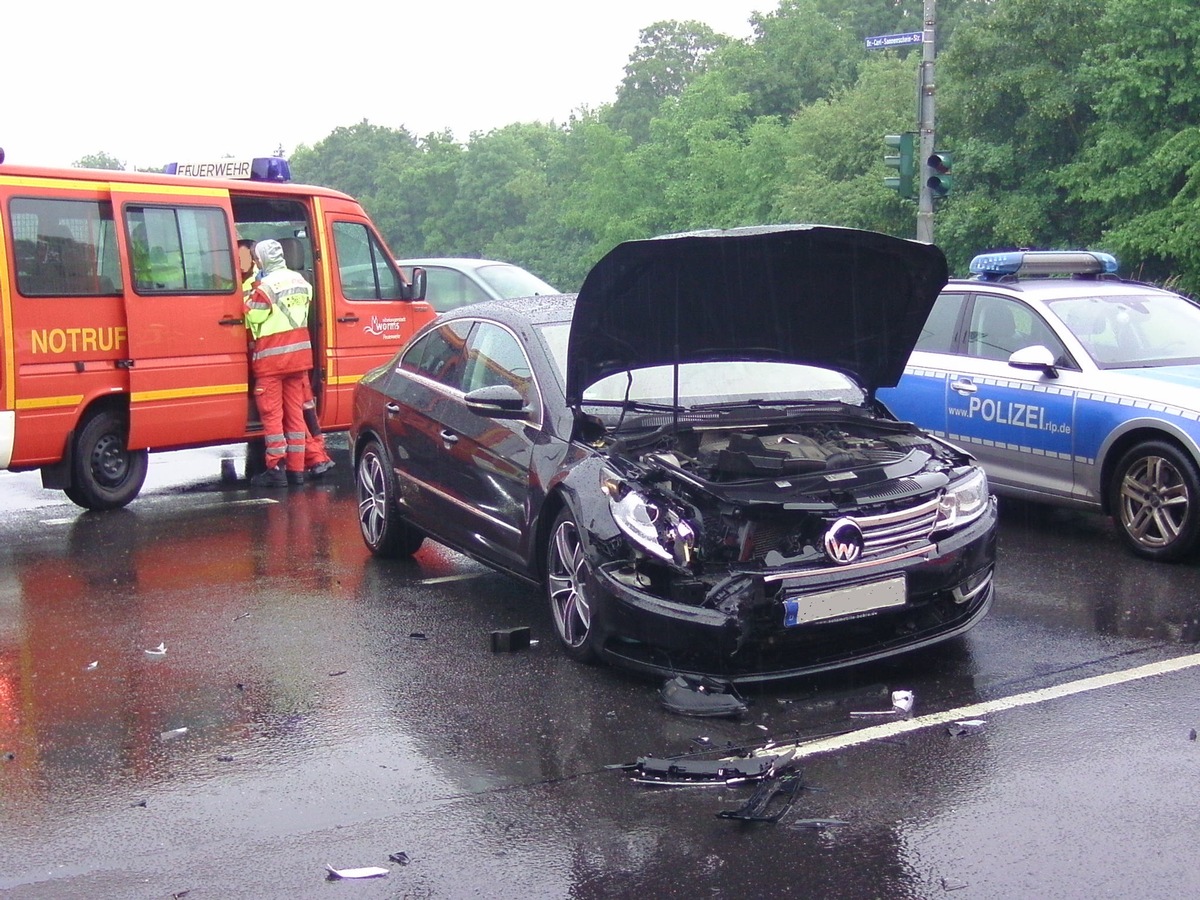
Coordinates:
column 1073, row 123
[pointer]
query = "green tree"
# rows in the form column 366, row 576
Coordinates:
column 99, row 160
column 668, row 57
column 353, row 159
column 797, row 56
column 834, row 150
column 1138, row 173
column 1014, row 108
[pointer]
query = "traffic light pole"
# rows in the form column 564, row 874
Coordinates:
column 925, row 120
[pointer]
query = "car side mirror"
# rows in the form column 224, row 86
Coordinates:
column 1036, row 358
column 499, row 401
column 416, row 285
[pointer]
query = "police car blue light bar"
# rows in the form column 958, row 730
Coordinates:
column 261, row 168
column 993, row 266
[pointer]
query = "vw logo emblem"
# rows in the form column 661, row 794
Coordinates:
column 844, row 541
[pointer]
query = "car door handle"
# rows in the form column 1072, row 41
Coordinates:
column 347, row 320
column 393, row 409
column 449, row 437
column 964, row 386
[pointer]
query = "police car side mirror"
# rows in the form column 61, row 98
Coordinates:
column 416, row 285
column 1036, row 358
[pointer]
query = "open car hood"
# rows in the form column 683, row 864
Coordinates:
column 839, row 298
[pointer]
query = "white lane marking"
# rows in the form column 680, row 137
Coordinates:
column 979, row 710
column 466, row 576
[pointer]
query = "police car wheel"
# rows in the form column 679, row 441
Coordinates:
column 105, row 474
column 571, row 604
column 1154, row 496
column 384, row 532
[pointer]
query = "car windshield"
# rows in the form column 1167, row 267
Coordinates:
column 1140, row 330
column 513, row 281
column 707, row 383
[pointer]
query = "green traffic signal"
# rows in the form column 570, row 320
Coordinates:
column 902, row 161
column 940, row 181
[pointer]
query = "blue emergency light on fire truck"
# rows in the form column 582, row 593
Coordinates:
column 261, row 168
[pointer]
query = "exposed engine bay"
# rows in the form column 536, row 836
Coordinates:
column 731, row 454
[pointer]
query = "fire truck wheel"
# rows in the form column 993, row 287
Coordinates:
column 106, row 474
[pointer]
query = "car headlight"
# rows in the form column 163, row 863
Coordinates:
column 964, row 501
column 653, row 527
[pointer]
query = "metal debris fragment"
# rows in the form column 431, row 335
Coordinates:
column 364, row 872
column 902, row 704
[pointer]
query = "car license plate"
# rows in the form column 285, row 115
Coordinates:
column 852, row 601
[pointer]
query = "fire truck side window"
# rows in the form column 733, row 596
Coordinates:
column 65, row 248
column 179, row 249
column 365, row 270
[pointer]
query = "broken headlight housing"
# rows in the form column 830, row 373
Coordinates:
column 964, row 501
column 652, row 525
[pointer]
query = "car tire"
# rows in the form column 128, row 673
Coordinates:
column 104, row 473
column 1154, row 496
column 571, row 607
column 384, row 532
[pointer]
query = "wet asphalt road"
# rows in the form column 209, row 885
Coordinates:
column 339, row 710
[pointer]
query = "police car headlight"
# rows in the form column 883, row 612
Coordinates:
column 964, row 501
column 652, row 527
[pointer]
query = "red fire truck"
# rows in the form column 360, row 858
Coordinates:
column 121, row 326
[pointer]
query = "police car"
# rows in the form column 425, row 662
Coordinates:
column 1071, row 387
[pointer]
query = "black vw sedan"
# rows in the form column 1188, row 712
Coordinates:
column 688, row 457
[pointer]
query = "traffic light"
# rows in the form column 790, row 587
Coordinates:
column 902, row 161
column 940, row 181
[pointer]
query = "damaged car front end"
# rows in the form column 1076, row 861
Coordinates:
column 751, row 552
column 766, row 517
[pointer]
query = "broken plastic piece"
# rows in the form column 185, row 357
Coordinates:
column 702, row 697
column 160, row 650
column 92, row 666
column 364, row 872
column 771, row 799
column 683, row 772
column 172, row 734
column 968, row 726
column 902, row 704
column 400, row 858
column 509, row 640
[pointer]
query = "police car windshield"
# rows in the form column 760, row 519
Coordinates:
column 1134, row 331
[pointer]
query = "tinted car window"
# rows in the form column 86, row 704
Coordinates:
column 440, row 354
column 938, row 334
column 494, row 358
column 447, row 289
column 1000, row 326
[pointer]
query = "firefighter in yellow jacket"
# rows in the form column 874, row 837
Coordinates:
column 277, row 316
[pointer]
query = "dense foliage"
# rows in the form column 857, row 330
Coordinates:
column 1073, row 123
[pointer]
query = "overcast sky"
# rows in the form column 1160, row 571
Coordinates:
column 152, row 82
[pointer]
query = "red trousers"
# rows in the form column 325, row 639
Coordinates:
column 280, row 400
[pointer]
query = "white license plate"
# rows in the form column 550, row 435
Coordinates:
column 852, row 601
